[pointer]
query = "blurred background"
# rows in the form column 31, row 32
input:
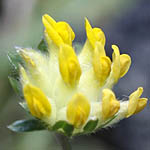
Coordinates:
column 125, row 23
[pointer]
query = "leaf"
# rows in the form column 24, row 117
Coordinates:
column 27, row 125
column 24, row 106
column 90, row 126
column 42, row 46
column 16, row 85
column 67, row 128
column 15, row 59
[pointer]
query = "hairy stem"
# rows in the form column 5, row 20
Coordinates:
column 64, row 141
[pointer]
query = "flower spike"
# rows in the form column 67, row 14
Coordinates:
column 70, row 93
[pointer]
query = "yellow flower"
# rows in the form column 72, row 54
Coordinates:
column 37, row 102
column 62, row 86
column 58, row 32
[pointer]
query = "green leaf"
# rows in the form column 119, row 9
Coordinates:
column 42, row 46
column 67, row 128
column 16, row 85
column 15, row 59
column 27, row 125
column 90, row 126
column 24, row 106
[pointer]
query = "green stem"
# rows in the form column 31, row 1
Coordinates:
column 64, row 141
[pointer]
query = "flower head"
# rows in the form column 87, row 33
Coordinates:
column 71, row 93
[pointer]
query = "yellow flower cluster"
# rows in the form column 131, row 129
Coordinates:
column 77, row 89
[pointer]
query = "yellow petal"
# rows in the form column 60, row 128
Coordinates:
column 37, row 102
column 116, row 63
column 100, row 48
column 50, row 20
column 59, row 32
column 133, row 101
column 141, row 104
column 66, row 32
column 94, row 34
column 68, row 65
column 89, row 32
column 125, row 62
column 100, row 36
column 78, row 110
column 52, row 33
column 101, row 66
column 110, row 105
